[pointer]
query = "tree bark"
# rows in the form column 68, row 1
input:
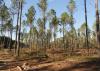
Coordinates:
column 17, row 28
column 86, row 24
column 18, row 47
column 97, row 23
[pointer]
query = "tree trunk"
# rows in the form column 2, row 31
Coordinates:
column 18, row 47
column 97, row 23
column 17, row 27
column 86, row 24
column 63, row 38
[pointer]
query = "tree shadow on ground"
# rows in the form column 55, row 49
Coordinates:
column 12, row 64
column 93, row 65
column 8, row 65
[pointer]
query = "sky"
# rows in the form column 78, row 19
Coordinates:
column 61, row 6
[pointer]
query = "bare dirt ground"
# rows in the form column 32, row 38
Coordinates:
column 7, row 63
column 65, row 65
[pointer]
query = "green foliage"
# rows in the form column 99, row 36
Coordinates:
column 71, row 6
column 31, row 15
column 51, row 14
column 83, row 28
column 4, row 13
column 8, row 25
column 42, row 5
column 55, row 22
column 64, row 18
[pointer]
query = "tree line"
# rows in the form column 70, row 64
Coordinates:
column 41, row 36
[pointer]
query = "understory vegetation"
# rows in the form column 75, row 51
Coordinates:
column 47, row 36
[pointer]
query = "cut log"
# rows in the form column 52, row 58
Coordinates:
column 19, row 68
column 26, row 66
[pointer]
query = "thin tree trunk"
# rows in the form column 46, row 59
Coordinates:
column 54, row 39
column 11, row 33
column 86, row 24
column 44, row 20
column 18, row 47
column 97, row 23
column 17, row 27
column 63, row 38
column 30, row 39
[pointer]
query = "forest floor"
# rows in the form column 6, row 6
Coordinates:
column 8, row 63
